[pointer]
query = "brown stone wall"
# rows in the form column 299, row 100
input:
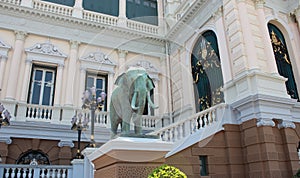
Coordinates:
column 243, row 151
column 57, row 155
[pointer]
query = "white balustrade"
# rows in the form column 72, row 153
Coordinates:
column 183, row 128
column 139, row 26
column 39, row 112
column 17, row 2
column 40, row 171
column 150, row 122
column 53, row 7
column 100, row 18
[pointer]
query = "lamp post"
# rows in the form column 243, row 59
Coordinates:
column 79, row 126
column 91, row 103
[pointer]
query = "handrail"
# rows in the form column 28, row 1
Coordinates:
column 52, row 7
column 183, row 128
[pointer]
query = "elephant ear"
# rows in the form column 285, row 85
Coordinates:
column 150, row 83
column 121, row 79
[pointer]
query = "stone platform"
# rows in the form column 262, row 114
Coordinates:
column 129, row 157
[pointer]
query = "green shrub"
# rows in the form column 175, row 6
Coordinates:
column 166, row 171
column 297, row 175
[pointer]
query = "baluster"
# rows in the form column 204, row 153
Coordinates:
column 13, row 172
column 53, row 173
column 176, row 133
column 171, row 134
column 19, row 172
column 63, row 173
column 43, row 173
column 206, row 119
column 25, row 172
column 201, row 121
column 28, row 112
column 214, row 115
column 30, row 172
column 164, row 135
column 48, row 173
column 49, row 113
column 58, row 173
column 180, row 131
column 7, row 173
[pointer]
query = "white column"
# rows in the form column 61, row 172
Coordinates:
column 122, row 60
column 58, row 85
column 15, row 65
column 69, row 100
column 77, row 9
column 272, row 68
column 248, row 38
column 82, row 84
column 26, row 81
column 122, row 13
column 2, row 68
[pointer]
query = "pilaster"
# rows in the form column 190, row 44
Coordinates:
column 70, row 88
column 58, row 86
column 15, row 65
column 26, row 80
column 122, row 60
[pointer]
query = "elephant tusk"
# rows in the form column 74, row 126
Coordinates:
column 133, row 101
column 150, row 101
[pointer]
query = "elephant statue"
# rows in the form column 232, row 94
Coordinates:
column 128, row 100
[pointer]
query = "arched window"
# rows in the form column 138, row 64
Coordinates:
column 33, row 157
column 283, row 61
column 207, row 72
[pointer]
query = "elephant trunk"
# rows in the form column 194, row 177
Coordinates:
column 133, row 101
column 150, row 101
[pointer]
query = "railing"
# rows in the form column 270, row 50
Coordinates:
column 17, row 2
column 87, row 15
column 39, row 112
column 30, row 171
column 142, row 27
column 100, row 18
column 52, row 7
column 184, row 128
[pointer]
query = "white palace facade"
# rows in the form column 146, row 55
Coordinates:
column 226, row 76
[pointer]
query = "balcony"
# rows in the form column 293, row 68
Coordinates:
column 79, row 14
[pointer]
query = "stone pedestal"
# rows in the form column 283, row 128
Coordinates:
column 129, row 157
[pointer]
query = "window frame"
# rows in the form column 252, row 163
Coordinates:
column 31, row 84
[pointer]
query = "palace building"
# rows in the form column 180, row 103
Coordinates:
column 226, row 76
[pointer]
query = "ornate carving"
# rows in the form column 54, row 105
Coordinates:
column 97, row 57
column 46, row 48
column 7, row 140
column 65, row 143
column 286, row 124
column 74, row 44
column 3, row 45
column 146, row 65
column 20, row 35
column 33, row 157
column 265, row 122
column 122, row 53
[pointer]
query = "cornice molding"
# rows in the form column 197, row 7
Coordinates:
column 97, row 61
column 97, row 57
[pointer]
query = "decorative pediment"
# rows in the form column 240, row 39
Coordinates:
column 97, row 61
column 46, row 49
column 97, row 57
column 4, row 50
column 3, row 45
column 45, row 52
column 146, row 65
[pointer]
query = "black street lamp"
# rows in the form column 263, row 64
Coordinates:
column 79, row 126
column 90, row 102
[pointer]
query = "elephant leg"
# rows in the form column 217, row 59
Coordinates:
column 115, row 120
column 126, row 123
column 137, row 119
